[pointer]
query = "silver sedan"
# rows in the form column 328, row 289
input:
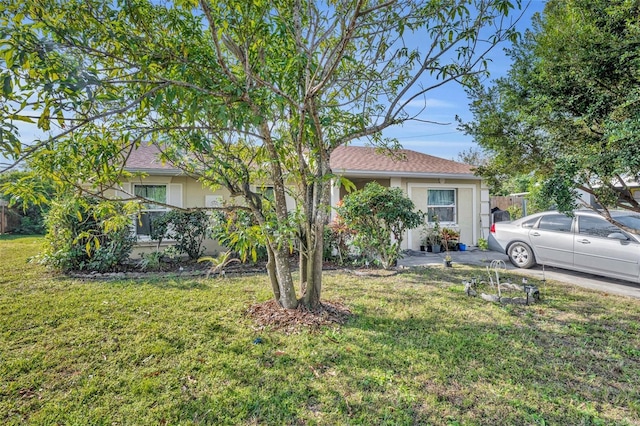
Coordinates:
column 584, row 242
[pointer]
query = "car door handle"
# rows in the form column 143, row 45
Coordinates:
column 535, row 234
column 584, row 241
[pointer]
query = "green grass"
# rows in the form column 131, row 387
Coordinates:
column 418, row 351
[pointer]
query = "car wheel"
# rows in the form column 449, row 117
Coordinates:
column 521, row 255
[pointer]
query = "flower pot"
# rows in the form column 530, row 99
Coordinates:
column 422, row 248
column 435, row 248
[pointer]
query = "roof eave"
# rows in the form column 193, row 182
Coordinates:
column 421, row 175
column 156, row 172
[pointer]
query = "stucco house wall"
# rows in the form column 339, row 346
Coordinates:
column 467, row 208
column 415, row 173
column 183, row 192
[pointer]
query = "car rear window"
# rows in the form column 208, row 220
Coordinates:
column 529, row 223
column 555, row 222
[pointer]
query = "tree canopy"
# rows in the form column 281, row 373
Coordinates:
column 568, row 111
column 235, row 93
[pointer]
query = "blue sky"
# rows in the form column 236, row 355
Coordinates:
column 448, row 101
column 443, row 104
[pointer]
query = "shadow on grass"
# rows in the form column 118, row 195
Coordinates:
column 438, row 368
column 14, row 237
column 165, row 283
column 503, row 364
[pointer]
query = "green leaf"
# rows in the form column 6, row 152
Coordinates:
column 7, row 86
column 8, row 58
column 43, row 121
column 22, row 118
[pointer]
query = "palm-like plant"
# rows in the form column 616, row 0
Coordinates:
column 448, row 236
column 219, row 263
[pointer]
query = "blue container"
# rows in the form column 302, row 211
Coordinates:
column 462, row 247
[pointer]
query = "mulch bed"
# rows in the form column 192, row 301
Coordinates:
column 196, row 269
column 267, row 314
column 270, row 315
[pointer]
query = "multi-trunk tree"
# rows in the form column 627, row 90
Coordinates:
column 237, row 93
column 568, row 111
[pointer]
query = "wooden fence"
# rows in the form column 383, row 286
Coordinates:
column 9, row 218
column 504, row 202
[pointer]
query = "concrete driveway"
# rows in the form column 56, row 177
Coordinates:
column 478, row 257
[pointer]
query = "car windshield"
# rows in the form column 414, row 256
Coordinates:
column 631, row 221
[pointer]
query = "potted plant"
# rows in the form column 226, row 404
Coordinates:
column 424, row 238
column 433, row 236
column 448, row 237
column 430, row 237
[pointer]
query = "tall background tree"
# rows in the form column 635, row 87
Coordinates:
column 568, row 112
column 235, row 93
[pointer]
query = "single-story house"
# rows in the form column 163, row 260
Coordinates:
column 436, row 185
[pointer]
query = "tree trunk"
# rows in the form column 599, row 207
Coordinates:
column 278, row 266
column 314, row 273
column 303, row 262
column 315, row 242
column 288, row 299
column 273, row 277
column 310, row 298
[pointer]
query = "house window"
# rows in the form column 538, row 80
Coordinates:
column 268, row 192
column 441, row 203
column 144, row 222
column 213, row 201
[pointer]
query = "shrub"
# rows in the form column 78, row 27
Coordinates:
column 86, row 234
column 218, row 263
column 483, row 244
column 188, row 229
column 377, row 214
column 238, row 231
column 337, row 239
column 430, row 233
column 31, row 224
column 150, row 261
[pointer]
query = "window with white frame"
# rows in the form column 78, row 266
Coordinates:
column 441, row 203
column 268, row 192
column 157, row 193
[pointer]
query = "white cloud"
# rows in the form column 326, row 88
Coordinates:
column 431, row 103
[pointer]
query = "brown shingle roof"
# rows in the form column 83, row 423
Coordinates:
column 147, row 157
column 343, row 159
column 363, row 159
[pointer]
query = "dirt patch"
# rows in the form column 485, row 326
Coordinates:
column 270, row 314
column 172, row 269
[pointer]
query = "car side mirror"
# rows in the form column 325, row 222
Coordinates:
column 617, row 236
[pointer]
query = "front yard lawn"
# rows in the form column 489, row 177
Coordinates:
column 417, row 351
